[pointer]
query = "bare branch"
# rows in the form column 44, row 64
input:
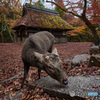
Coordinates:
column 84, row 9
column 64, row 9
column 74, row 14
column 95, row 16
column 57, row 5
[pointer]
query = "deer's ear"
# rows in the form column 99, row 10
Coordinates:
column 39, row 56
column 55, row 52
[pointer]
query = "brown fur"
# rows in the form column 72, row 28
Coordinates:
column 36, row 52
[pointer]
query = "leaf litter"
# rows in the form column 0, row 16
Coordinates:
column 11, row 65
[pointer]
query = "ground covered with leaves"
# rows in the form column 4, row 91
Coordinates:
column 11, row 69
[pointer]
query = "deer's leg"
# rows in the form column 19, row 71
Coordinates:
column 39, row 72
column 26, row 70
column 50, row 50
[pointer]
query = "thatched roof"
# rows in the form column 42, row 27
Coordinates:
column 37, row 17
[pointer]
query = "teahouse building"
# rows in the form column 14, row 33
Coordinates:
column 35, row 19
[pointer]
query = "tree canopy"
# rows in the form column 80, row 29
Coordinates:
column 86, row 10
column 10, row 12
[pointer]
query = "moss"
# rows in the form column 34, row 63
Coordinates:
column 44, row 20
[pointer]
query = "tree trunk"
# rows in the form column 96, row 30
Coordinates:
column 11, row 35
column 2, row 37
column 9, row 31
column 96, row 38
column 14, row 38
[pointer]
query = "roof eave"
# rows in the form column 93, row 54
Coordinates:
column 16, row 28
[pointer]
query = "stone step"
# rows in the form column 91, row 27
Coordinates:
column 79, row 87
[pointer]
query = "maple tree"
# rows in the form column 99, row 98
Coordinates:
column 83, row 9
column 95, row 11
column 81, row 32
column 10, row 12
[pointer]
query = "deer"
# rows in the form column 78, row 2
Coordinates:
column 37, row 52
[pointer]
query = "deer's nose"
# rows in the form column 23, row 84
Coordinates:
column 65, row 82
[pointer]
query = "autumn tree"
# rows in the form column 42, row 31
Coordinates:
column 40, row 3
column 86, row 10
column 95, row 18
column 3, row 11
column 10, row 12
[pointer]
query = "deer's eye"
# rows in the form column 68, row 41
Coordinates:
column 51, row 58
column 49, row 67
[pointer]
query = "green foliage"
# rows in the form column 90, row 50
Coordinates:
column 85, row 10
column 80, row 38
column 60, row 11
column 40, row 3
column 7, row 38
column 10, row 12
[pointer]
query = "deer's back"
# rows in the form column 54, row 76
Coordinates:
column 39, row 42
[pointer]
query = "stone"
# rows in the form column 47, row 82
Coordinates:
column 68, row 63
column 67, row 60
column 78, row 58
column 94, row 60
column 10, row 79
column 78, row 87
column 94, row 50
